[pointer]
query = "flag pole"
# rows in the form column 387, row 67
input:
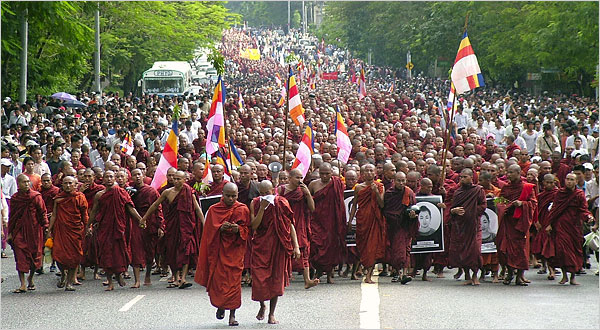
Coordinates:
column 285, row 112
column 450, row 120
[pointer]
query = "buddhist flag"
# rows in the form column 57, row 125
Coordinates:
column 168, row 158
column 305, row 151
column 207, row 174
column 278, row 79
column 127, row 146
column 392, row 88
column 296, row 110
column 216, row 120
column 281, row 100
column 362, row 85
column 222, row 160
column 236, row 160
column 451, row 104
column 343, row 140
column 466, row 74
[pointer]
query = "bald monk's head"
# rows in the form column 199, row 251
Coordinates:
column 69, row 183
column 171, row 174
column 571, row 181
column 549, row 182
column 23, row 183
column 217, row 173
column 466, row 177
column 367, row 172
column 179, row 179
column 245, row 173
column 265, row 187
column 295, row 178
column 513, row 173
column 70, row 172
column 400, row 180
column 351, row 179
column 108, row 179
column 138, row 178
column 230, row 194
column 325, row 172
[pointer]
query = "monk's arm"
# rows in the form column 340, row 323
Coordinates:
column 134, row 214
column 255, row 220
column 294, row 241
column 52, row 219
column 198, row 211
column 380, row 196
column 309, row 200
column 154, row 205
column 92, row 218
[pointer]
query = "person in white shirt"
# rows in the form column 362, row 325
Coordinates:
column 518, row 139
column 574, row 132
column 104, row 150
column 460, row 118
column 481, row 131
column 530, row 137
column 9, row 185
column 499, row 132
column 40, row 167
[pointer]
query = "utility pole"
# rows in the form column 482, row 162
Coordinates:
column 98, row 87
column 24, row 35
column 289, row 26
column 408, row 62
column 303, row 18
column 370, row 54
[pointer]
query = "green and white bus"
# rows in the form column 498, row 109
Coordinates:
column 170, row 78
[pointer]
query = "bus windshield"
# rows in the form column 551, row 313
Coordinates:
column 163, row 86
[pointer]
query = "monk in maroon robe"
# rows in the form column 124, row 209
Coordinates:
column 222, row 249
column 161, row 246
column 49, row 192
column 216, row 187
column 67, row 227
column 402, row 226
column 90, row 188
column 328, row 225
column 371, row 236
column 144, row 241
column 468, row 204
column 247, row 191
column 542, row 245
column 513, row 231
column 112, row 207
column 301, row 203
column 273, row 245
column 182, row 215
column 569, row 209
column 559, row 169
column 27, row 222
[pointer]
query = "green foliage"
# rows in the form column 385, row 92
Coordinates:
column 217, row 60
column 296, row 20
column 134, row 34
column 509, row 38
column 264, row 13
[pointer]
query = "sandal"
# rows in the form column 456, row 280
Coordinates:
column 3, row 255
column 542, row 271
column 19, row 290
column 550, row 278
column 507, row 279
column 185, row 285
column 405, row 279
column 520, row 283
column 220, row 314
column 172, row 285
column 396, row 279
column 31, row 287
column 69, row 288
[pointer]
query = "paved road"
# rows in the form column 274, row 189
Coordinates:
column 442, row 303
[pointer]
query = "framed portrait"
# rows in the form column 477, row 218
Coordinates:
column 489, row 227
column 206, row 202
column 431, row 225
column 351, row 236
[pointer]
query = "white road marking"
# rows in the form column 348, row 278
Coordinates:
column 369, row 305
column 128, row 305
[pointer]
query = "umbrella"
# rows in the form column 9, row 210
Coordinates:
column 64, row 96
column 47, row 109
column 74, row 104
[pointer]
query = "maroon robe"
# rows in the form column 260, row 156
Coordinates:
column 114, row 254
column 371, row 236
column 513, row 231
column 48, row 196
column 542, row 244
column 465, row 237
column 401, row 228
column 221, row 256
column 302, row 219
column 272, row 250
column 246, row 195
column 216, row 188
column 90, row 242
column 181, row 230
column 26, row 224
column 68, row 229
column 561, row 170
column 142, row 200
column 328, row 226
column 569, row 208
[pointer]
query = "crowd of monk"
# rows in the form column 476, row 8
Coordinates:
column 98, row 207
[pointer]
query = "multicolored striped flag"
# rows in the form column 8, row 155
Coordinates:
column 392, row 88
column 168, row 158
column 451, row 99
column 207, row 174
column 216, row 120
column 278, row 79
column 344, row 146
column 127, row 146
column 295, row 109
column 236, row 160
column 281, row 100
column 466, row 74
column 222, row 160
column 305, row 151
column 362, row 85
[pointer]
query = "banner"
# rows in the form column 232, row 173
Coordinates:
column 329, row 75
column 489, row 227
column 250, row 53
column 207, row 202
column 431, row 225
